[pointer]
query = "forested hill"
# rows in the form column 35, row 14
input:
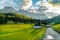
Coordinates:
column 16, row 18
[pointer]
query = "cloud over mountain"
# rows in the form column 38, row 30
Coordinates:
column 1, row 4
column 27, row 4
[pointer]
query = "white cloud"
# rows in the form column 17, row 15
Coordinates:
column 1, row 4
column 52, row 8
column 11, row 3
column 4, row 3
column 38, row 2
column 40, row 5
column 15, row 5
column 27, row 4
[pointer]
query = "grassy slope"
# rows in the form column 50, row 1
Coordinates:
column 20, row 32
column 57, row 27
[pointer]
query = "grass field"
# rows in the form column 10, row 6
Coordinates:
column 21, row 32
column 57, row 27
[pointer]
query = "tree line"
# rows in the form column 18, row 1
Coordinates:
column 5, row 17
column 15, row 17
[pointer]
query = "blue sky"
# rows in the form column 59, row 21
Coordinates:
column 16, row 4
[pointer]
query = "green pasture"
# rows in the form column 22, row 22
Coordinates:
column 57, row 27
column 21, row 32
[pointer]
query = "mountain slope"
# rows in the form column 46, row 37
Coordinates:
column 33, row 15
column 7, row 10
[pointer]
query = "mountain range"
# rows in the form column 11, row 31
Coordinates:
column 39, row 15
column 8, row 9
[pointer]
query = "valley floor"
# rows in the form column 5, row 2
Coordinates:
column 21, row 32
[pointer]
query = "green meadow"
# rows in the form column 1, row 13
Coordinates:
column 21, row 32
column 57, row 27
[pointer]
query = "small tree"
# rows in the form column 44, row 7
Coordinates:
column 2, row 18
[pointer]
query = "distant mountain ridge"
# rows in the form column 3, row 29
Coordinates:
column 40, row 15
column 7, row 10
